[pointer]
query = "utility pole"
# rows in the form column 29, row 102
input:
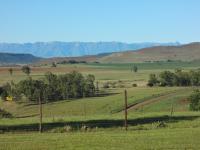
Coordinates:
column 125, row 110
column 40, row 112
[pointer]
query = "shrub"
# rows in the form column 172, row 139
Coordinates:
column 134, row 85
column 113, row 84
column 106, row 85
column 5, row 114
column 152, row 80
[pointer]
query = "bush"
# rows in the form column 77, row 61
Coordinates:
column 134, row 85
column 152, row 80
column 106, row 85
column 5, row 114
column 113, row 84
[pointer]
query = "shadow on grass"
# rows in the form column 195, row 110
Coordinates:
column 95, row 123
column 100, row 94
column 27, row 116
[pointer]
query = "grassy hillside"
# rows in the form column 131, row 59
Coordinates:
column 188, row 52
column 10, row 58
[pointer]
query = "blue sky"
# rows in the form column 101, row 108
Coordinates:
column 100, row 20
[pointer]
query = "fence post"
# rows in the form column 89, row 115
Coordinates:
column 97, row 87
column 40, row 116
column 125, row 110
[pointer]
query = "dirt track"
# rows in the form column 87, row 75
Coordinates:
column 152, row 100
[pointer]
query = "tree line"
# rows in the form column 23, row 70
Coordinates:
column 177, row 78
column 52, row 87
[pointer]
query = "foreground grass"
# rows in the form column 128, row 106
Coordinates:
column 114, row 140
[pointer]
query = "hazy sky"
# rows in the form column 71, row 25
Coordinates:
column 100, row 20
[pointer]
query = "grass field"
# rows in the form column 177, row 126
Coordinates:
column 153, row 139
column 151, row 124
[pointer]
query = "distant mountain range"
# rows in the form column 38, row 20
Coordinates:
column 73, row 49
column 187, row 52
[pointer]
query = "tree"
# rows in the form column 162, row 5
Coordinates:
column 77, row 84
column 1, row 90
column 52, row 91
column 89, row 88
column 152, row 80
column 195, row 77
column 26, row 69
column 179, row 78
column 5, row 91
column 195, row 101
column 53, row 64
column 32, row 88
column 135, row 68
column 4, row 94
column 10, row 70
column 57, row 87
column 167, row 78
column 184, row 79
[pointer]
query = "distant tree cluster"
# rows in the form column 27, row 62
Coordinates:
column 55, row 87
column 71, row 62
column 177, row 78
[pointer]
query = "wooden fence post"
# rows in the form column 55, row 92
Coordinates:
column 40, row 114
column 125, row 110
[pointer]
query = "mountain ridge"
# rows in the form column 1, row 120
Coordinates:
column 73, row 49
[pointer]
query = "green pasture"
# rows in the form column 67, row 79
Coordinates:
column 151, row 125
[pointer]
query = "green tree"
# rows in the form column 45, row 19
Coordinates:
column 10, row 70
column 26, row 69
column 32, row 88
column 53, row 64
column 52, row 90
column 5, row 91
column 135, row 68
column 195, row 101
column 152, row 80
column 195, row 77
column 89, row 87
column 58, row 87
column 167, row 78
